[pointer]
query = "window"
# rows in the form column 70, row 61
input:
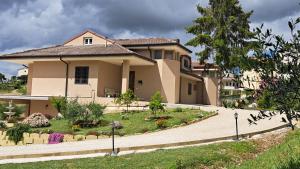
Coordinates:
column 186, row 63
column 169, row 54
column 88, row 41
column 190, row 89
column 81, row 75
column 177, row 56
column 158, row 54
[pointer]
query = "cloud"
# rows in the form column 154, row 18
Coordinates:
column 38, row 23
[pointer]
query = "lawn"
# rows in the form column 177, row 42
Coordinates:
column 221, row 155
column 135, row 123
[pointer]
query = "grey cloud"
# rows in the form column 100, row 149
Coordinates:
column 270, row 10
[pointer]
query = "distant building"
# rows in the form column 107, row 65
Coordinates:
column 22, row 72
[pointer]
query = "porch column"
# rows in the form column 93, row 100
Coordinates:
column 125, row 75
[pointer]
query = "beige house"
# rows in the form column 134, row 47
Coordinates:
column 92, row 67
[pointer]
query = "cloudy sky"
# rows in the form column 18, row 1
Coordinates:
column 27, row 24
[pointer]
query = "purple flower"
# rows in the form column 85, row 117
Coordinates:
column 55, row 138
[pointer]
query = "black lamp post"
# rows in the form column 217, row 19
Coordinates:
column 236, row 115
column 113, row 153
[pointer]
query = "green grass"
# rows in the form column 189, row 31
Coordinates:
column 221, row 155
column 135, row 124
column 283, row 156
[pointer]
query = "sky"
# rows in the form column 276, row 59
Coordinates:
column 27, row 24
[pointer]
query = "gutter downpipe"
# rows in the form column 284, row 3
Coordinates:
column 67, row 76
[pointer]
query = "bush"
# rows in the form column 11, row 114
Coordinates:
column 2, row 125
column 16, row 133
column 155, row 103
column 184, row 120
column 178, row 109
column 126, row 98
column 161, row 123
column 60, row 104
column 84, row 115
column 265, row 100
column 96, row 110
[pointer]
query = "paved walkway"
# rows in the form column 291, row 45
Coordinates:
column 221, row 125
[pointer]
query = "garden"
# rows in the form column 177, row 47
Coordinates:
column 77, row 122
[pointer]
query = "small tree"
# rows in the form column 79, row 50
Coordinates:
column 156, row 103
column 277, row 61
column 60, row 104
column 127, row 99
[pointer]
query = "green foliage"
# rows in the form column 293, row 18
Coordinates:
column 84, row 115
column 224, row 32
column 156, row 104
column 265, row 101
column 277, row 62
column 22, row 90
column 2, row 78
column 75, row 111
column 126, row 98
column 2, row 125
column 178, row 109
column 60, row 104
column 16, row 133
column 161, row 123
column 96, row 110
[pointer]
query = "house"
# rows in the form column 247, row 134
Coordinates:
column 232, row 87
column 22, row 72
column 91, row 67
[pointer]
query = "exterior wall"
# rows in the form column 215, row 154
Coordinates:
column 109, row 76
column 185, row 98
column 210, row 93
column 83, row 90
column 151, row 81
column 169, row 71
column 79, row 40
column 43, row 107
column 163, row 77
column 48, row 79
column 29, row 79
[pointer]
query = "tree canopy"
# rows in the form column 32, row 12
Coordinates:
column 224, row 33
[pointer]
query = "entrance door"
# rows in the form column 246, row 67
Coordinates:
column 131, row 80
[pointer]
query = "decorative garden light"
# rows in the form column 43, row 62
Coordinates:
column 236, row 115
column 113, row 153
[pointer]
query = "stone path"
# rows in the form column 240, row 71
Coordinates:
column 221, row 125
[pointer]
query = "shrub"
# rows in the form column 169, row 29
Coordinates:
column 161, row 123
column 55, row 138
column 37, row 120
column 178, row 109
column 84, row 115
column 60, row 104
column 16, row 133
column 155, row 103
column 126, row 98
column 96, row 110
column 184, row 120
column 75, row 111
column 265, row 100
column 76, row 128
column 2, row 125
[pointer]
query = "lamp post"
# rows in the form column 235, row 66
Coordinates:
column 236, row 115
column 113, row 153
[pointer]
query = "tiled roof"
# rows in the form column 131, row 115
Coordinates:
column 150, row 42
column 87, row 50
column 146, row 41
